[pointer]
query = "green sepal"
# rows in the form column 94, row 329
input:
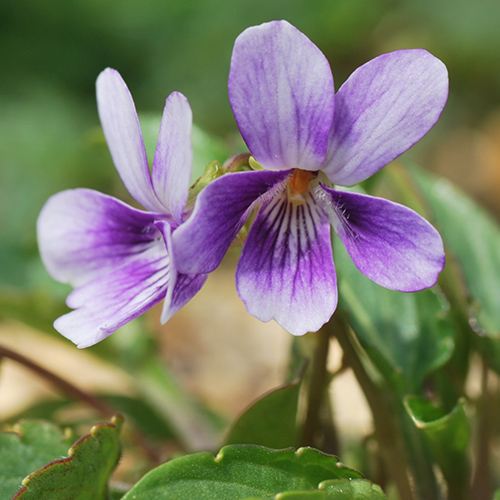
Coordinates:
column 212, row 171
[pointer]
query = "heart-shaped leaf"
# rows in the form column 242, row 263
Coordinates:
column 238, row 473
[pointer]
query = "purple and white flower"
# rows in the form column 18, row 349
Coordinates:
column 119, row 258
column 307, row 139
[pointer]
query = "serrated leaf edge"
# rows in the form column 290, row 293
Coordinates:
column 116, row 422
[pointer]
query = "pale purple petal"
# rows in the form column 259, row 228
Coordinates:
column 282, row 96
column 174, row 155
column 220, row 212
column 186, row 287
column 383, row 109
column 124, row 137
column 116, row 296
column 83, row 233
column 389, row 243
column 286, row 269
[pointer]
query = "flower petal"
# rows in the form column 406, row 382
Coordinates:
column 383, row 109
column 124, row 137
column 116, row 297
column 220, row 212
column 186, row 287
column 83, row 233
column 389, row 243
column 286, row 269
column 282, row 96
column 115, row 255
column 173, row 156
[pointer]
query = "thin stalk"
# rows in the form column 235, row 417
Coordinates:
column 386, row 428
column 482, row 481
column 76, row 393
column 316, row 388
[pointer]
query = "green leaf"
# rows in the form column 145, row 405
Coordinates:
column 448, row 436
column 407, row 335
column 474, row 238
column 338, row 489
column 357, row 489
column 32, row 445
column 240, row 472
column 83, row 474
column 270, row 421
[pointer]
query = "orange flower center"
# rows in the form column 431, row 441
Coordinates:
column 299, row 180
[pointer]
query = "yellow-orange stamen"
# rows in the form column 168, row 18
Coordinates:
column 299, row 180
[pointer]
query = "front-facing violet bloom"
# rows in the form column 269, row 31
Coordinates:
column 118, row 258
column 307, row 139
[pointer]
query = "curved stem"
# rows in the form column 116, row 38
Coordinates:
column 76, row 393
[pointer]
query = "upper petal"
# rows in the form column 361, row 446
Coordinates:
column 383, row 109
column 286, row 270
column 81, row 233
column 124, row 137
column 219, row 213
column 389, row 243
column 282, row 96
column 173, row 156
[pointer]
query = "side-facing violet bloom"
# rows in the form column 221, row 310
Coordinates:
column 307, row 139
column 118, row 258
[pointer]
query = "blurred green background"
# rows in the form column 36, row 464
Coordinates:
column 51, row 52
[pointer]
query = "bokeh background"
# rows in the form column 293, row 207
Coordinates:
column 51, row 52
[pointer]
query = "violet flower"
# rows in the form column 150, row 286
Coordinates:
column 119, row 258
column 308, row 139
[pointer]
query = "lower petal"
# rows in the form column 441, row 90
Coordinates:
column 286, row 269
column 186, row 287
column 116, row 297
column 117, row 257
column 389, row 243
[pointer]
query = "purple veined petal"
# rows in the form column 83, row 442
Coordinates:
column 286, row 269
column 389, row 243
column 124, row 137
column 219, row 213
column 282, row 96
column 83, row 234
column 116, row 297
column 383, row 109
column 121, row 291
column 173, row 156
column 186, row 287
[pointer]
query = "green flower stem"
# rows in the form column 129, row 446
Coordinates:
column 315, row 427
column 78, row 394
column 386, row 428
column 486, row 409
